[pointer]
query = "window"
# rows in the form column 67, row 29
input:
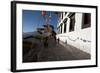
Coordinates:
column 86, row 20
column 64, row 27
column 62, row 15
column 72, row 22
column 58, row 29
column 65, row 24
column 59, row 17
column 65, row 13
column 61, row 28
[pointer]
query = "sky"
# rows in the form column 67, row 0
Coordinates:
column 32, row 19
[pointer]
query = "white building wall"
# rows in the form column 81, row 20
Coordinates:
column 78, row 21
column 79, row 38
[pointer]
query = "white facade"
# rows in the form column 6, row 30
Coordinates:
column 77, row 36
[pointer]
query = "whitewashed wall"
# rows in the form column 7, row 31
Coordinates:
column 79, row 38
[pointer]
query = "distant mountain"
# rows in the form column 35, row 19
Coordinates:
column 35, row 34
column 30, row 34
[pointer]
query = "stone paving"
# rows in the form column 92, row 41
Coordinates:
column 55, row 52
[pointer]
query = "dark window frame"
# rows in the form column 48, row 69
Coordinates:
column 61, row 27
column 62, row 15
column 65, row 25
column 66, row 13
column 86, row 20
column 72, row 22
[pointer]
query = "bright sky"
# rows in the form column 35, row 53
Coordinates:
column 32, row 19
